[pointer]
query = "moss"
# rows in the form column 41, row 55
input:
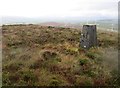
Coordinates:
column 83, row 62
column 91, row 55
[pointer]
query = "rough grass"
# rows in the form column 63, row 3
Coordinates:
column 48, row 56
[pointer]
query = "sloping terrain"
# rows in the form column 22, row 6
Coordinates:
column 51, row 56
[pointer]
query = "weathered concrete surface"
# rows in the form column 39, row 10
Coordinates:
column 88, row 36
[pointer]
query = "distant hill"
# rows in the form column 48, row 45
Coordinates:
column 109, row 23
column 52, row 24
column 105, row 24
column 61, row 22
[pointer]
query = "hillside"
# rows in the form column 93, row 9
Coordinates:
column 51, row 56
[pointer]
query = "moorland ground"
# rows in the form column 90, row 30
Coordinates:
column 52, row 56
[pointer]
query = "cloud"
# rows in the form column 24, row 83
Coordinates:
column 58, row 8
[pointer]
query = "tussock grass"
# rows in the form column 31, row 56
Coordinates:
column 50, row 56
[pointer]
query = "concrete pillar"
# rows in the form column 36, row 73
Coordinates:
column 88, row 36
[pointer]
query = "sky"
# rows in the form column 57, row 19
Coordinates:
column 59, row 8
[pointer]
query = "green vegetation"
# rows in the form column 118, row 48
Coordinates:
column 49, row 56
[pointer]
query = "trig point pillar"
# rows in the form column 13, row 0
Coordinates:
column 88, row 36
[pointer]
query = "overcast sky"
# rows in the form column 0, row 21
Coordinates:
column 59, row 8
